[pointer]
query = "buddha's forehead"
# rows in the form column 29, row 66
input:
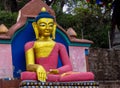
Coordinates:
column 45, row 20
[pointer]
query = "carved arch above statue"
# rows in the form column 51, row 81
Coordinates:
column 26, row 17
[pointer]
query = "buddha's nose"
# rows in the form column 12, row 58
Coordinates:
column 47, row 28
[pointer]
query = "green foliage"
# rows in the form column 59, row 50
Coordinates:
column 8, row 18
column 91, row 22
column 86, row 19
column 1, row 6
column 66, row 21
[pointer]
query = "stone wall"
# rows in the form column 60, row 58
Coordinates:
column 105, row 63
column 109, row 84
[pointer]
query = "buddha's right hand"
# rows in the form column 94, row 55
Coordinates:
column 41, row 74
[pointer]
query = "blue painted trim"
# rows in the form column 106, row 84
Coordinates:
column 15, row 34
column 64, row 36
column 86, row 52
column 8, row 41
column 22, row 28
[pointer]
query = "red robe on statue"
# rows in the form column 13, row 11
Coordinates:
column 51, row 62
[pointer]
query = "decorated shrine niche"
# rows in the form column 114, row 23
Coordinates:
column 22, row 32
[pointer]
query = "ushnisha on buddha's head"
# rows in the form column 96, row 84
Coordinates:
column 44, row 25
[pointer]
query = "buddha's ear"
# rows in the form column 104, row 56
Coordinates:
column 54, row 30
column 35, row 29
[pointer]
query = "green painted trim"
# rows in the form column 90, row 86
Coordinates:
column 80, row 44
column 5, row 41
column 30, row 19
column 72, row 43
column 8, row 41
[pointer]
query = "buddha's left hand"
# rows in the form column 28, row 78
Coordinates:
column 53, row 71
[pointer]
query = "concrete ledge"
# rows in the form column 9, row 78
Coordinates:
column 102, row 84
column 9, row 83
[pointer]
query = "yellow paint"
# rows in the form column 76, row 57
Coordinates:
column 44, row 28
column 43, row 9
column 43, row 49
column 30, row 56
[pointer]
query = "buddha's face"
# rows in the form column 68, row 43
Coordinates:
column 45, row 26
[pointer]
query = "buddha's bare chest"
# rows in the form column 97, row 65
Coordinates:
column 43, row 49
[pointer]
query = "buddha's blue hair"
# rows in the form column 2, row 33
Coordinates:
column 43, row 15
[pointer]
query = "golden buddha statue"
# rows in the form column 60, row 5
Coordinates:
column 42, row 54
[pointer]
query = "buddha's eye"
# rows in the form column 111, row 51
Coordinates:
column 50, row 25
column 42, row 24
